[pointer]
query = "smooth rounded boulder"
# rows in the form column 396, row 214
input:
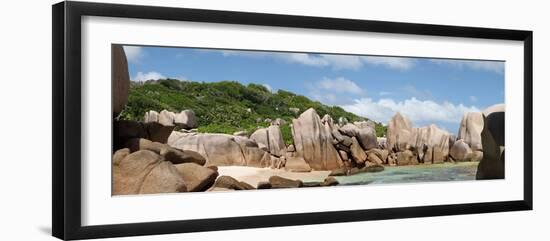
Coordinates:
column 461, row 151
column 169, row 153
column 145, row 172
column 197, row 178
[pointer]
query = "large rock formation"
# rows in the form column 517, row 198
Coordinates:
column 120, row 79
column 399, row 133
column 272, row 138
column 431, row 144
column 170, row 154
column 470, row 130
column 492, row 139
column 365, row 134
column 224, row 150
column 313, row 142
column 125, row 130
column 144, row 172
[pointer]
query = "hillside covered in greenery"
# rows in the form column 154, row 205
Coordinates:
column 227, row 106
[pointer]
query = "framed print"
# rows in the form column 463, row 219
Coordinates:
column 170, row 120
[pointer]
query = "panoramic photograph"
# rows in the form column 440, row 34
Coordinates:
column 206, row 120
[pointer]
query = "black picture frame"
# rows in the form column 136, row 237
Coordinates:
column 66, row 88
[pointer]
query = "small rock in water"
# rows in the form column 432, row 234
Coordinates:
column 264, row 185
column 329, row 181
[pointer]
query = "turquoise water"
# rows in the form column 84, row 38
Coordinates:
column 415, row 173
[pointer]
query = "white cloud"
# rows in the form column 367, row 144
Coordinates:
column 399, row 63
column 473, row 98
column 384, row 93
column 416, row 110
column 334, row 91
column 335, row 61
column 140, row 76
column 492, row 66
column 343, row 61
column 305, row 59
column 133, row 53
column 339, row 84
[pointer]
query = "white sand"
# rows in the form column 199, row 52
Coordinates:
column 254, row 175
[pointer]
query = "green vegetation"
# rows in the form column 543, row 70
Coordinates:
column 227, row 106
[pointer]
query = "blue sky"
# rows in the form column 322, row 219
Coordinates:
column 424, row 90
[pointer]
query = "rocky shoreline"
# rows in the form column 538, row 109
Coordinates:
column 164, row 153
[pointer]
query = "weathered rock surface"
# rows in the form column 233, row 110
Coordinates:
column 186, row 119
column 399, row 133
column 125, row 130
column 170, row 154
column 491, row 165
column 406, row 157
column 359, row 156
column 222, row 150
column 470, row 130
column 145, row 172
column 461, row 151
column 366, row 135
column 431, row 144
column 314, row 143
column 121, row 79
column 365, row 124
column 281, row 182
column 272, row 138
column 297, row 164
column 343, row 155
column 378, row 156
column 166, row 118
column 196, row 177
column 339, row 172
column 228, row 182
column 120, row 155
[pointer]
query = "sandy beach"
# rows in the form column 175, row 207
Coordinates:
column 254, row 175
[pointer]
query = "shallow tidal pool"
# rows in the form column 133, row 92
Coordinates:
column 460, row 171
